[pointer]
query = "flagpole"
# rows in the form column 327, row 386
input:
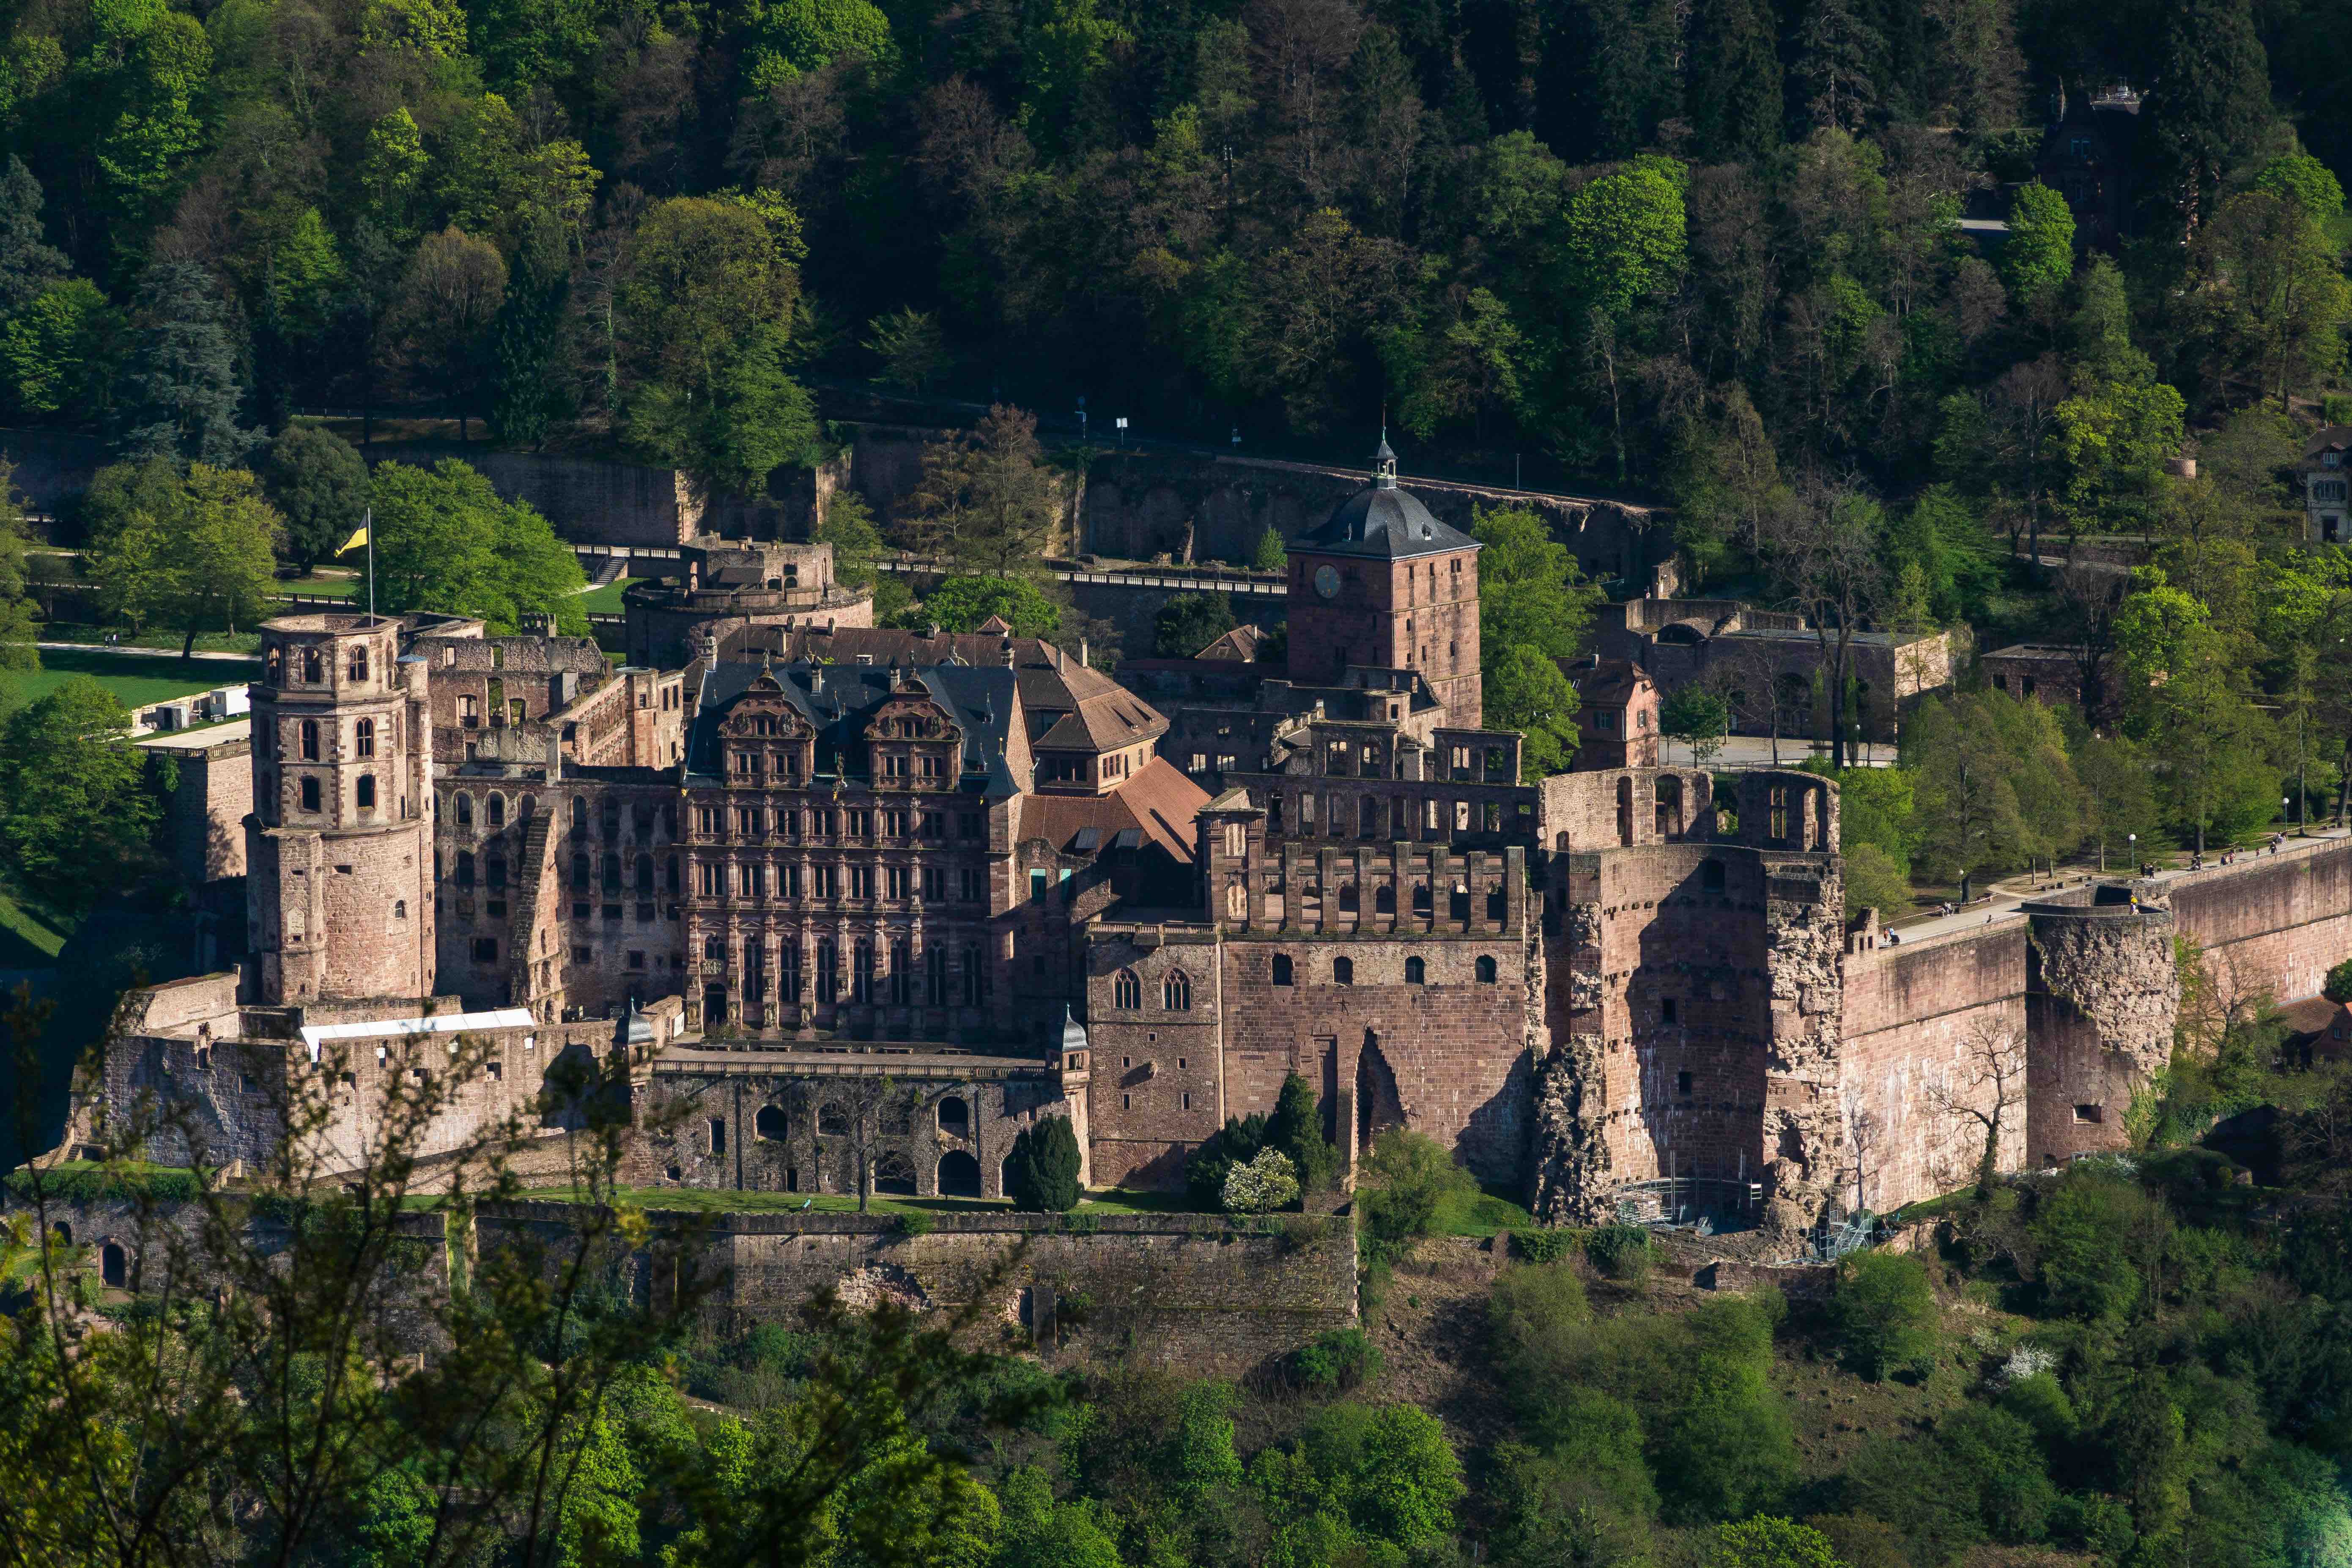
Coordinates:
column 367, row 522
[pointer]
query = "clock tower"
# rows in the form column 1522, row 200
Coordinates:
column 1384, row 585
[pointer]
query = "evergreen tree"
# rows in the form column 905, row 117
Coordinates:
column 179, row 391
column 1840, row 58
column 1736, row 101
column 524, row 399
column 28, row 263
column 75, row 812
column 1044, row 1162
column 2211, row 100
column 1297, row 1130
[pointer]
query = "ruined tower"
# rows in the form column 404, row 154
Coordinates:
column 2101, row 996
column 340, row 886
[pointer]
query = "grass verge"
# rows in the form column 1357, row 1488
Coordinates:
column 134, row 678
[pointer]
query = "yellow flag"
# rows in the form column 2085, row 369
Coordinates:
column 354, row 542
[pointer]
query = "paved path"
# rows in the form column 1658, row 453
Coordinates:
column 145, row 652
column 2006, row 896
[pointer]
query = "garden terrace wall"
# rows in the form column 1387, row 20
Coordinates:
column 1199, row 1294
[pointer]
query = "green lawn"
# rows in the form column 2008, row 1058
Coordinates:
column 708, row 1200
column 603, row 601
column 1480, row 1213
column 28, row 940
column 154, row 637
column 134, row 678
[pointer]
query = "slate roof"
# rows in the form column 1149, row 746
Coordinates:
column 1383, row 523
column 838, row 701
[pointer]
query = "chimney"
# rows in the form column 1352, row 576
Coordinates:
column 711, row 647
column 1083, row 659
column 1009, row 657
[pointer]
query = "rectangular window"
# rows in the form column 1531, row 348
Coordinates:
column 1038, row 883
column 861, row 881
column 828, row 881
column 708, row 874
column 935, row 883
column 975, row 886
column 486, row 950
column 894, row 882
column 718, row 1135
column 935, row 826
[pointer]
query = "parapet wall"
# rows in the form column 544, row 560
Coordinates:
column 2271, row 923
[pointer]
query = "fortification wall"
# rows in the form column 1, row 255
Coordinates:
column 2103, row 993
column 2271, row 923
column 1198, row 1293
column 1921, row 1023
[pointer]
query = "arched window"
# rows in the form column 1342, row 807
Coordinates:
column 495, row 807
column 114, row 1265
column 1282, row 969
column 612, row 873
column 714, row 950
column 902, row 967
column 314, row 669
column 895, row 1173
column 768, row 1126
column 1343, row 972
column 1349, row 901
column 832, row 1121
column 530, row 806
column 955, row 1116
column 309, row 795
column 363, row 738
column 1176, row 993
column 1624, row 811
column 464, row 869
column 580, row 873
column 644, row 873
column 1385, row 900
column 935, row 974
column 1125, row 990
column 358, row 665
column 273, row 666
column 861, row 971
column 310, row 740
column 579, row 817
column 828, row 971
column 1485, row 970
column 1421, row 898
column 366, row 792
column 1416, row 971
column 464, row 805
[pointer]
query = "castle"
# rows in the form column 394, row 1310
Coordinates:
column 852, row 903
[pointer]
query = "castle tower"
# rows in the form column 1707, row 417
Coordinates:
column 1385, row 583
column 2102, row 992
column 338, row 894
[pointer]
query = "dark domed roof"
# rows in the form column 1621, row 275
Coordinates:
column 1384, row 522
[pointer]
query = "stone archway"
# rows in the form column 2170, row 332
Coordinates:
column 959, row 1175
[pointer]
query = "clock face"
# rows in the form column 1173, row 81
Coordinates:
column 1326, row 581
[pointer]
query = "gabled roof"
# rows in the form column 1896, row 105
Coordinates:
column 1241, row 643
column 1604, row 682
column 838, row 701
column 1158, row 803
column 2331, row 439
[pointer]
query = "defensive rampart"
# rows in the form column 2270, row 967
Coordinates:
column 1200, row 1294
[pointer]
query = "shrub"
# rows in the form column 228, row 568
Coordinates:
column 1621, row 1251
column 1234, row 1143
column 2338, row 988
column 1884, row 1314
column 1264, row 1184
column 2090, row 1237
column 1726, row 1448
column 1410, row 1176
column 1547, row 1245
column 1339, row 1359
column 1044, row 1163
column 1768, row 1543
column 912, row 1223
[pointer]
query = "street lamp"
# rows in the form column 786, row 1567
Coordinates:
column 2133, row 838
column 1238, row 437
column 1122, row 432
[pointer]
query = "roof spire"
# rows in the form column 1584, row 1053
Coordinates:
column 1384, row 461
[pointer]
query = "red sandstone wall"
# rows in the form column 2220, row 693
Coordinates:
column 2271, row 923
column 1918, row 1018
